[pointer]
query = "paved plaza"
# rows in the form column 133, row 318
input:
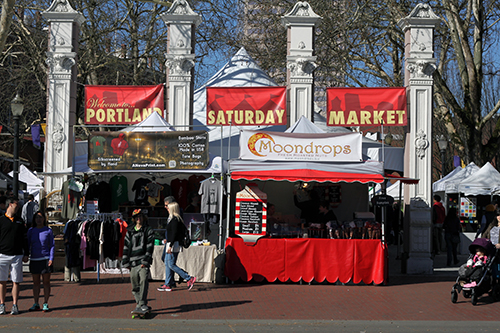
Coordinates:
column 411, row 302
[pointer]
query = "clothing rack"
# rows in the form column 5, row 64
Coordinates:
column 101, row 216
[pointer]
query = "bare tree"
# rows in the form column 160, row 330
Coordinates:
column 358, row 43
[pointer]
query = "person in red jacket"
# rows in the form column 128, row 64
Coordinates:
column 438, row 216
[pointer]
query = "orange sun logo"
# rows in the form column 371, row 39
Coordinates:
column 253, row 141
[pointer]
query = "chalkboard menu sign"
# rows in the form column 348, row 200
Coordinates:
column 250, row 217
column 251, row 213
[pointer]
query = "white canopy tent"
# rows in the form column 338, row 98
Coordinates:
column 482, row 182
column 451, row 184
column 33, row 183
column 439, row 185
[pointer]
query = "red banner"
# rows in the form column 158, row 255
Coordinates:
column 122, row 105
column 366, row 106
column 246, row 106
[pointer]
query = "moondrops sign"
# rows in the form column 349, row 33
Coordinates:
column 122, row 105
column 322, row 147
column 246, row 106
column 366, row 106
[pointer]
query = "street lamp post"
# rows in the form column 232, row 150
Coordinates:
column 17, row 107
column 443, row 144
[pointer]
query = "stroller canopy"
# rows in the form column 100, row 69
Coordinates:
column 484, row 243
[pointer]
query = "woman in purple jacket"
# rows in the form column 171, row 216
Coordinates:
column 41, row 243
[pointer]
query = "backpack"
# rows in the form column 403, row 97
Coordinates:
column 185, row 242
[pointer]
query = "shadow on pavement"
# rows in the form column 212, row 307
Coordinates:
column 197, row 306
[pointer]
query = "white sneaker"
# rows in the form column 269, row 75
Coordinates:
column 14, row 310
column 2, row 309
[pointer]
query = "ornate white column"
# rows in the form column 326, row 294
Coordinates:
column 61, row 107
column 300, row 23
column 420, row 64
column 181, row 21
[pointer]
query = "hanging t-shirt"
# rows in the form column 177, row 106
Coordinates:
column 194, row 182
column 165, row 192
column 97, row 144
column 71, row 201
column 141, row 193
column 153, row 192
column 119, row 191
column 180, row 191
column 100, row 191
column 210, row 191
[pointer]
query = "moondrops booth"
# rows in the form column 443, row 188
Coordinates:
column 270, row 167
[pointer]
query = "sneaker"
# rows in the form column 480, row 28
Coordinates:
column 35, row 307
column 45, row 307
column 164, row 288
column 191, row 282
column 137, row 309
column 14, row 310
column 145, row 308
column 2, row 309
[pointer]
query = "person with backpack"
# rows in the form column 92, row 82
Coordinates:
column 174, row 236
column 438, row 216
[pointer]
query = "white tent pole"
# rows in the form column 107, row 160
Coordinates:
column 221, row 188
column 229, row 144
column 228, row 196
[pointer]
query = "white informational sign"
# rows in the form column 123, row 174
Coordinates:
column 313, row 147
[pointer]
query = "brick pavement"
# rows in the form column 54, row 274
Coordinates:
column 404, row 298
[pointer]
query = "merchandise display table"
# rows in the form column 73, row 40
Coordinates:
column 198, row 261
column 356, row 260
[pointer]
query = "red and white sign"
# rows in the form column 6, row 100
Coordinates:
column 318, row 147
column 246, row 106
column 366, row 106
column 251, row 213
column 122, row 105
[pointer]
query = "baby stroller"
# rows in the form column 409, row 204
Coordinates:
column 485, row 282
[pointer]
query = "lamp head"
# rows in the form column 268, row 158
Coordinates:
column 442, row 142
column 17, row 106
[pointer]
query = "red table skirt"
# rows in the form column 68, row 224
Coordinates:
column 357, row 260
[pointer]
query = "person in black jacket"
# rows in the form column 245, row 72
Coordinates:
column 173, row 236
column 14, row 251
column 309, row 206
column 138, row 257
column 452, row 229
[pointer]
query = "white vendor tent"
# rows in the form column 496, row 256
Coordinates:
column 451, row 184
column 153, row 123
column 482, row 182
column 33, row 183
column 439, row 185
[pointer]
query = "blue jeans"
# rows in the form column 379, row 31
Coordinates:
column 171, row 268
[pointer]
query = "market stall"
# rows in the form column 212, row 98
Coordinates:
column 137, row 168
column 307, row 259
